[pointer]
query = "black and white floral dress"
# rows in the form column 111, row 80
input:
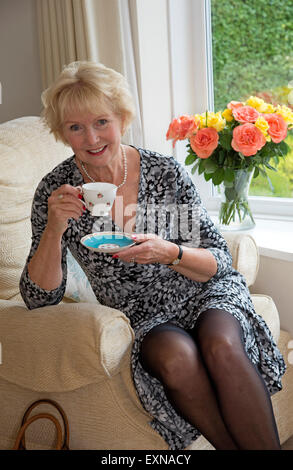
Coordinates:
column 153, row 294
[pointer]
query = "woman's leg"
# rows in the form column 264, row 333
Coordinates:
column 170, row 354
column 242, row 394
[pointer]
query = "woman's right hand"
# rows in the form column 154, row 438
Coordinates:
column 63, row 204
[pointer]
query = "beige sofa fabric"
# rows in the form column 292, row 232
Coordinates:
column 28, row 152
column 245, row 255
column 61, row 348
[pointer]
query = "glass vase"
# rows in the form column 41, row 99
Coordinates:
column 235, row 213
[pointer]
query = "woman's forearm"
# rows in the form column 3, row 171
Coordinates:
column 44, row 267
column 197, row 264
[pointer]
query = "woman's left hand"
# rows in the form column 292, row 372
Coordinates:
column 149, row 248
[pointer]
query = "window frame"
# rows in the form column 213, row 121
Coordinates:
column 197, row 17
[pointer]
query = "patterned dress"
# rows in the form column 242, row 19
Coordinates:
column 153, row 294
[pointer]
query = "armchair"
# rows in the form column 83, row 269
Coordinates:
column 78, row 353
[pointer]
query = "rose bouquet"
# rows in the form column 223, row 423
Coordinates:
column 225, row 146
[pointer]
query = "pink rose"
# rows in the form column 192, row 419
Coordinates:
column 245, row 114
column 204, row 142
column 182, row 128
column 278, row 127
column 247, row 139
column 234, row 104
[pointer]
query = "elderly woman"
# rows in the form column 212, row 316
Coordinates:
column 203, row 361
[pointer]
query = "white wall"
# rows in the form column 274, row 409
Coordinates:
column 20, row 74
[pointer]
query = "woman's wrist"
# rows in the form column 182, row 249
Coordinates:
column 173, row 252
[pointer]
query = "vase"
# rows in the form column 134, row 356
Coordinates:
column 235, row 213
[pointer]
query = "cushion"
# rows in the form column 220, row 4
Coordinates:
column 245, row 254
column 78, row 287
column 28, row 152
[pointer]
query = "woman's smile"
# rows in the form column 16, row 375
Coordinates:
column 97, row 151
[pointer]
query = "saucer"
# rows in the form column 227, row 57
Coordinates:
column 107, row 242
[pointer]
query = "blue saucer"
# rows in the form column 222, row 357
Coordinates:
column 107, row 242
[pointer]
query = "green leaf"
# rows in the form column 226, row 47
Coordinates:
column 222, row 156
column 210, row 166
column 201, row 167
column 270, row 167
column 229, row 174
column 225, row 140
column 218, row 176
column 195, row 167
column 284, row 147
column 207, row 176
column 190, row 159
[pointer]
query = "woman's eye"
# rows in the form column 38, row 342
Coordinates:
column 102, row 122
column 75, row 127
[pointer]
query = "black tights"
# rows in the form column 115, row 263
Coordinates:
column 210, row 381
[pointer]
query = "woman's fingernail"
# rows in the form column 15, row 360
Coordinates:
column 115, row 256
column 79, row 196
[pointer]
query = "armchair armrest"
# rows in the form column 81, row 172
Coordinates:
column 62, row 347
column 245, row 254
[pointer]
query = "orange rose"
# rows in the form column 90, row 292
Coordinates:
column 182, row 128
column 245, row 114
column 204, row 142
column 234, row 104
column 247, row 139
column 277, row 127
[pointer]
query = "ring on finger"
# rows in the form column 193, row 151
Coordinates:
column 60, row 196
column 132, row 260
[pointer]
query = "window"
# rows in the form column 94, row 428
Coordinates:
column 251, row 46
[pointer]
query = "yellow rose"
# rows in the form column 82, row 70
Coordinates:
column 286, row 113
column 263, row 126
column 268, row 108
column 216, row 121
column 227, row 115
column 201, row 118
column 256, row 103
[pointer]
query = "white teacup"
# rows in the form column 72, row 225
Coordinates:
column 99, row 197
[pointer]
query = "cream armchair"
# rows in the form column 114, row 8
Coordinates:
column 78, row 353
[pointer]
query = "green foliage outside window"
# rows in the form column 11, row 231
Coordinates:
column 253, row 55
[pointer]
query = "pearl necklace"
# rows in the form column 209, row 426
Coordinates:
column 125, row 169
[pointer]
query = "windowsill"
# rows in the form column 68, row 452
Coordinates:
column 274, row 238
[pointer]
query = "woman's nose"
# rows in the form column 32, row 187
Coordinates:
column 91, row 136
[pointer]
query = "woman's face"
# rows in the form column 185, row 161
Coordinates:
column 95, row 139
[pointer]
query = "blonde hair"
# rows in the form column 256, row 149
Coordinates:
column 87, row 87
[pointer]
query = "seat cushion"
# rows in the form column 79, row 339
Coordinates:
column 245, row 254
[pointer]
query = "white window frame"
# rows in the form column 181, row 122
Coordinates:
column 192, row 91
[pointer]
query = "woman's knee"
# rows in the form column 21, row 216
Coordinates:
column 169, row 356
column 220, row 340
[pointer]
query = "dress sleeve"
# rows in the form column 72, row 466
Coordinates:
column 203, row 233
column 33, row 295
